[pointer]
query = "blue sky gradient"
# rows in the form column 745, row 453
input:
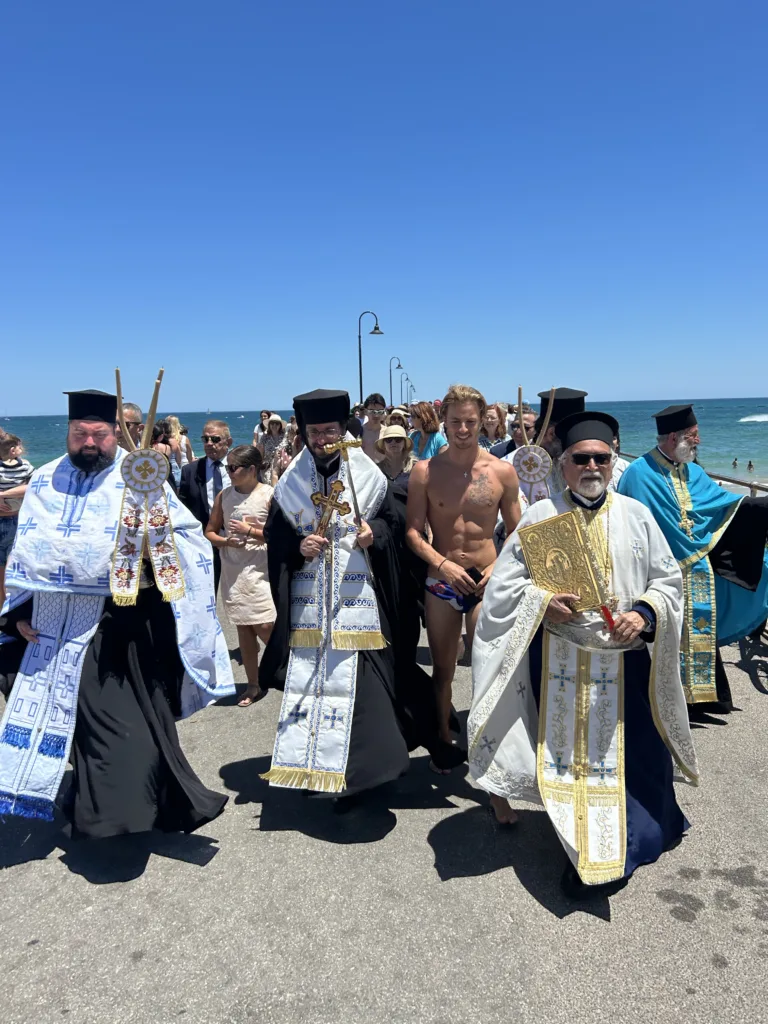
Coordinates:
column 534, row 193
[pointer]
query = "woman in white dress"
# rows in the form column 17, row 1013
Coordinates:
column 241, row 512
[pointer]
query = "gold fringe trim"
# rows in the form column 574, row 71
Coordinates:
column 305, row 778
column 357, row 641
column 124, row 600
column 173, row 595
column 599, row 876
column 305, row 638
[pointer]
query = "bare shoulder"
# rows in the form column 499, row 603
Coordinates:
column 420, row 472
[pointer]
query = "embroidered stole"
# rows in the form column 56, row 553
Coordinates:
column 334, row 614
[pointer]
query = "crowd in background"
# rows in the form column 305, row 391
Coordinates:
column 395, row 437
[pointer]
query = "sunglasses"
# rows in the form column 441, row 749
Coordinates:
column 232, row 469
column 213, row 438
column 584, row 458
column 393, row 440
column 376, row 412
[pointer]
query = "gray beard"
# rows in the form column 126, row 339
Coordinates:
column 591, row 489
column 684, row 452
column 554, row 447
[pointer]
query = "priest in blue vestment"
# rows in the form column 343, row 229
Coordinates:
column 718, row 539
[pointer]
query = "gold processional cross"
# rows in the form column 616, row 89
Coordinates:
column 330, row 505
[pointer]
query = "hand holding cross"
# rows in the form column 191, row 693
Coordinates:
column 330, row 505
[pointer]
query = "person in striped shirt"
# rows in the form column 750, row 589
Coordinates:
column 14, row 477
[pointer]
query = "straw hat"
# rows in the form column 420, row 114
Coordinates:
column 274, row 418
column 393, row 431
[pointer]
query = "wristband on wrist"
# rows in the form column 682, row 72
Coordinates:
column 437, row 570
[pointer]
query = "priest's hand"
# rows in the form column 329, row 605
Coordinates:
column 627, row 627
column 24, row 627
column 313, row 546
column 364, row 534
column 559, row 608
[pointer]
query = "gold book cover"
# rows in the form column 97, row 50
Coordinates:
column 558, row 560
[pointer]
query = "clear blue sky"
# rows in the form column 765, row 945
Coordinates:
column 525, row 192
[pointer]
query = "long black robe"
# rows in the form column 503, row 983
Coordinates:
column 129, row 771
column 395, row 709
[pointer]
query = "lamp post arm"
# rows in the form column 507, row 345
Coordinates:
column 360, row 345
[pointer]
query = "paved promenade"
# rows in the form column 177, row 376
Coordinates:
column 414, row 908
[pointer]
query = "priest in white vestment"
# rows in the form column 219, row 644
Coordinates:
column 571, row 706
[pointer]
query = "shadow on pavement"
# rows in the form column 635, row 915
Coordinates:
column 370, row 816
column 100, row 861
column 123, row 858
column 472, row 843
column 752, row 660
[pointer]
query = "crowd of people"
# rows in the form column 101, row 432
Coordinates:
column 594, row 595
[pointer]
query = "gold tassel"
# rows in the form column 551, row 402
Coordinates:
column 305, row 638
column 590, row 874
column 305, row 778
column 124, row 600
column 173, row 595
column 357, row 641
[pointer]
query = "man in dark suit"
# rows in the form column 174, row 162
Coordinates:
column 202, row 480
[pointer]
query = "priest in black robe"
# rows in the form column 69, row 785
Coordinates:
column 113, row 636
column 343, row 645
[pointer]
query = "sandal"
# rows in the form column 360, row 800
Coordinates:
column 246, row 700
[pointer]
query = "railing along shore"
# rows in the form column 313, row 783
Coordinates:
column 749, row 484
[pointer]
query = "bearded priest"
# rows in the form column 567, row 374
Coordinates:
column 718, row 539
column 354, row 701
column 569, row 706
column 111, row 605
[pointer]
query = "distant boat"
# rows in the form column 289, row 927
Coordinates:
column 241, row 417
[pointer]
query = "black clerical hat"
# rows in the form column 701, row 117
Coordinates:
column 674, row 418
column 587, row 426
column 92, row 405
column 567, row 401
column 321, row 407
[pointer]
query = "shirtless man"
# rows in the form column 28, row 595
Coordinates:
column 460, row 494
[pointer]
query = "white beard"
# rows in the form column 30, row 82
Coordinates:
column 591, row 488
column 684, row 451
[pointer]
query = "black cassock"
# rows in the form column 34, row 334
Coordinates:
column 395, row 707
column 129, row 771
column 738, row 557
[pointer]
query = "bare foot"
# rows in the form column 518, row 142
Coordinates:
column 504, row 813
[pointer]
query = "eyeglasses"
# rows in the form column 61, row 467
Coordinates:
column 232, row 469
column 313, row 435
column 212, row 438
column 584, row 458
column 393, row 440
column 376, row 412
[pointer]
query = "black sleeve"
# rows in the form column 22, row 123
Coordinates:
column 738, row 555
column 8, row 622
column 283, row 559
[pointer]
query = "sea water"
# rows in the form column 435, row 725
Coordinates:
column 730, row 428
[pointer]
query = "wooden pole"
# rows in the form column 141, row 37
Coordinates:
column 127, row 439
column 146, row 438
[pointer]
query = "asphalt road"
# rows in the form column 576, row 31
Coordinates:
column 413, row 908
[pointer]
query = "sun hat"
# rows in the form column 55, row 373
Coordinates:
column 393, row 431
column 274, row 418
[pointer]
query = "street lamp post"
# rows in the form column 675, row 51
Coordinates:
column 398, row 367
column 360, row 343
column 411, row 392
column 402, row 375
